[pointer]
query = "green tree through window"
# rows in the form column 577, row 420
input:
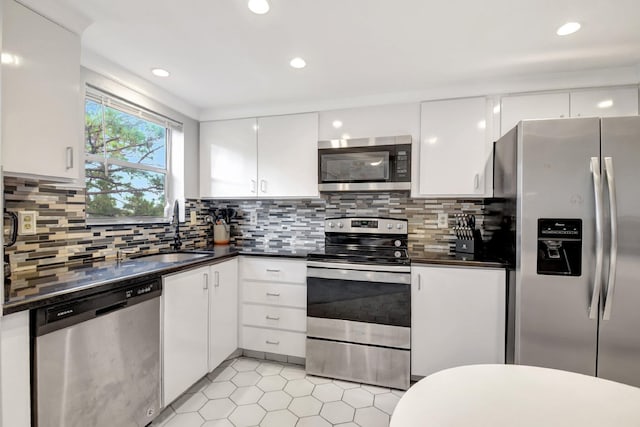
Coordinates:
column 126, row 164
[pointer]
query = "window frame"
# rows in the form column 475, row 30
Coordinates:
column 107, row 100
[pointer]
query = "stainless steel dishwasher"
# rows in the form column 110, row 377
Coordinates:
column 97, row 359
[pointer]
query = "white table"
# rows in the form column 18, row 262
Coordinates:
column 522, row 396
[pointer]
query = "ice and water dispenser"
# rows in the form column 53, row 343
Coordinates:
column 560, row 246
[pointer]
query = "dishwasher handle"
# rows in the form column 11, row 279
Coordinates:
column 110, row 308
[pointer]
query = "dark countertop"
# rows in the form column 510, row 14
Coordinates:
column 460, row 260
column 37, row 288
column 275, row 252
column 32, row 289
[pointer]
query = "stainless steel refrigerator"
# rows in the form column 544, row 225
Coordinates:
column 571, row 188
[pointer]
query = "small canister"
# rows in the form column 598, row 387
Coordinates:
column 221, row 233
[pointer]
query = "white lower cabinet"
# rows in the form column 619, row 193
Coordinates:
column 457, row 317
column 274, row 341
column 273, row 305
column 185, row 331
column 223, row 312
column 15, row 387
column 200, row 324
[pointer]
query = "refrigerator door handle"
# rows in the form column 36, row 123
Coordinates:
column 613, row 258
column 597, row 281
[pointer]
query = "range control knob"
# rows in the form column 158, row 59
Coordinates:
column 331, row 225
column 397, row 243
column 397, row 254
column 340, row 225
column 399, row 226
column 389, row 226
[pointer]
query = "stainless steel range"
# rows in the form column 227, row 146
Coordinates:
column 359, row 302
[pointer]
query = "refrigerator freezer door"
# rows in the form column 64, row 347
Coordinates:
column 619, row 341
column 553, row 328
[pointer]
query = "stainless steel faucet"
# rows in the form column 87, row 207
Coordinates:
column 177, row 243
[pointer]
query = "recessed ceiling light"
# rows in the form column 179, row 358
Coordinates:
column 607, row 103
column 432, row 140
column 160, row 72
column 337, row 124
column 259, row 7
column 568, row 28
column 298, row 63
column 482, row 124
column 496, row 109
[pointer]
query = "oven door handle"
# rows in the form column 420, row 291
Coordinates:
column 362, row 267
column 359, row 275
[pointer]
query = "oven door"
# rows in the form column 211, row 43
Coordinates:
column 362, row 304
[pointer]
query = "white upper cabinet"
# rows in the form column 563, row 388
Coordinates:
column 228, row 158
column 269, row 157
column 288, row 156
column 382, row 120
column 42, row 124
column 606, row 102
column 537, row 106
column 455, row 148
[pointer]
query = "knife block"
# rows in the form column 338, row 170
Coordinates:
column 469, row 246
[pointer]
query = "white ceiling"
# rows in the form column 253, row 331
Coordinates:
column 221, row 55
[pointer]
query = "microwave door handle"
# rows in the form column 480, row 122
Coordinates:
column 613, row 258
column 597, row 279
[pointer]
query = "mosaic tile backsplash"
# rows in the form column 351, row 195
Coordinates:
column 62, row 235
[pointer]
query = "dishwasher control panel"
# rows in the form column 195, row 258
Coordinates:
column 125, row 294
column 141, row 290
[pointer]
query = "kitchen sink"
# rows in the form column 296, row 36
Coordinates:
column 171, row 257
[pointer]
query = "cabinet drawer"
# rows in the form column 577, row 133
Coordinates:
column 293, row 319
column 274, row 270
column 273, row 341
column 275, row 294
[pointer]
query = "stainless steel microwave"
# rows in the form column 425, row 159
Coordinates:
column 365, row 164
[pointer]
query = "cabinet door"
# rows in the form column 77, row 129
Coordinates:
column 228, row 162
column 453, row 149
column 288, row 156
column 15, row 386
column 541, row 106
column 458, row 317
column 223, row 315
column 185, row 331
column 41, row 103
column 364, row 122
column 607, row 102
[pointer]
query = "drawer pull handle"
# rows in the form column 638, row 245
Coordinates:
column 272, row 342
column 272, row 270
column 273, row 294
column 272, row 317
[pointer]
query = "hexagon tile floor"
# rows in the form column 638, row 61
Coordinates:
column 250, row 392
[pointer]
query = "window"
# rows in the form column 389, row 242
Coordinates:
column 127, row 162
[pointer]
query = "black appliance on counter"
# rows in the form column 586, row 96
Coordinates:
column 468, row 239
column 359, row 303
